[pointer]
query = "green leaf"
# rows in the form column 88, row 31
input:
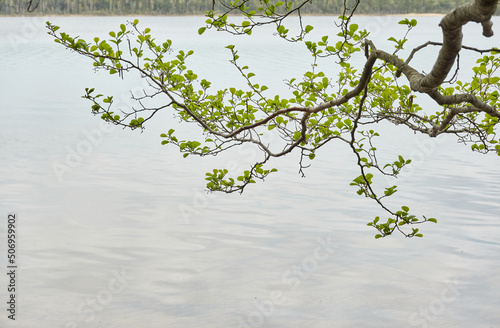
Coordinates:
column 194, row 144
column 201, row 30
column 432, row 220
column 308, row 28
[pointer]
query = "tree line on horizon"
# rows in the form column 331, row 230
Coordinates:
column 198, row 7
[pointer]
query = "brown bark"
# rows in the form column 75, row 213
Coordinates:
column 479, row 11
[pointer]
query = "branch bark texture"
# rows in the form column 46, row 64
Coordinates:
column 479, row 11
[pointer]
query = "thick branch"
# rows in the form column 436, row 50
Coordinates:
column 479, row 11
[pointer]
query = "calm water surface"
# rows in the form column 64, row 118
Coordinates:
column 124, row 235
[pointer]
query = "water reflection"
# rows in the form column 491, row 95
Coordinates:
column 134, row 209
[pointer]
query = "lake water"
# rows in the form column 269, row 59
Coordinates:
column 125, row 236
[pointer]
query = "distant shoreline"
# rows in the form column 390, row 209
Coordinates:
column 147, row 15
column 409, row 14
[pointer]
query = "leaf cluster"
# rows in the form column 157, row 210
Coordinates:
column 319, row 109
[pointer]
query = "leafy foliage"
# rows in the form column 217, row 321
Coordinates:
column 321, row 109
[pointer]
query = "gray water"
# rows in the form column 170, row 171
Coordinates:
column 115, row 230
